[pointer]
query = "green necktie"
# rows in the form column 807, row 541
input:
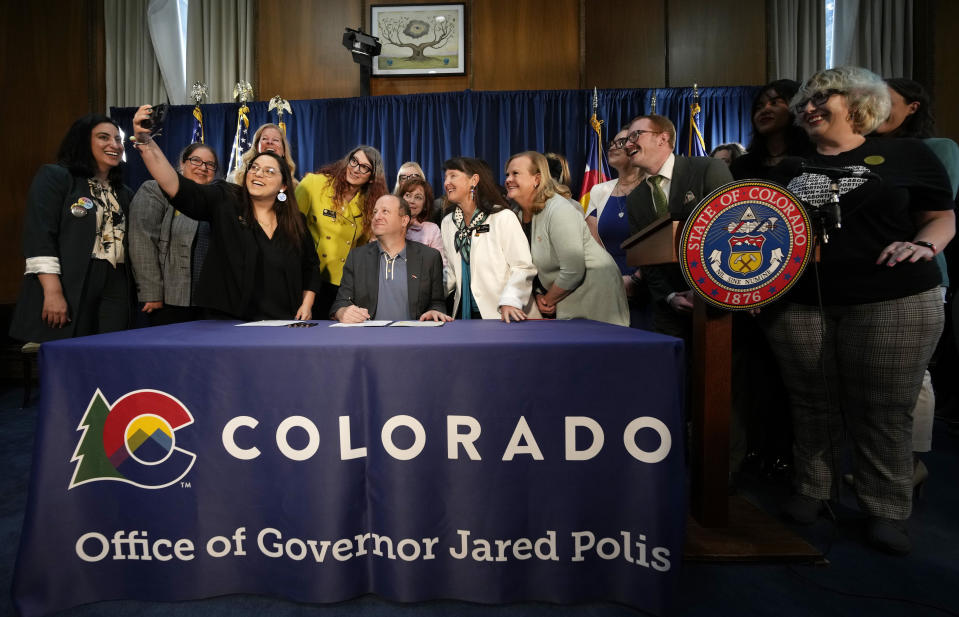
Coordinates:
column 659, row 197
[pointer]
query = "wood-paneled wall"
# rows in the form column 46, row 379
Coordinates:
column 529, row 45
column 52, row 66
column 299, row 53
column 526, row 45
column 625, row 44
column 716, row 43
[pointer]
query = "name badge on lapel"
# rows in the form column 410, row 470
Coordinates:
column 481, row 229
column 81, row 207
column 330, row 213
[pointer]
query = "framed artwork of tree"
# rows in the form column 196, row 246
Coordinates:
column 420, row 39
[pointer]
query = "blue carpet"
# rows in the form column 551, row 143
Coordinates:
column 856, row 581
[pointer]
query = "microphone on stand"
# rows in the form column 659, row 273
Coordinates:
column 796, row 166
column 831, row 215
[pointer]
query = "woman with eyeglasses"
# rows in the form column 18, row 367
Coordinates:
column 489, row 266
column 261, row 263
column 418, row 194
column 167, row 248
column 606, row 214
column 338, row 203
column 76, row 280
column 581, row 280
column 268, row 138
column 407, row 171
column 855, row 335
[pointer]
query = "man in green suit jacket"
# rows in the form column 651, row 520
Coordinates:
column 673, row 186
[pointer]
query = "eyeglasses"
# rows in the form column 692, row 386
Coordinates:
column 363, row 167
column 817, row 99
column 616, row 144
column 198, row 162
column 414, row 197
column 632, row 137
column 404, row 177
column 269, row 172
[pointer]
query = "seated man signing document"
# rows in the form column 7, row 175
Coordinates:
column 393, row 278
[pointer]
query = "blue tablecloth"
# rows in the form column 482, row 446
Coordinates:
column 481, row 461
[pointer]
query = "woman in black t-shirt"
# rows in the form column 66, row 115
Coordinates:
column 855, row 335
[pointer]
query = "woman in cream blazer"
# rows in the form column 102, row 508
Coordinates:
column 488, row 238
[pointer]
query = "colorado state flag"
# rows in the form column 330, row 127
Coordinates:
column 596, row 169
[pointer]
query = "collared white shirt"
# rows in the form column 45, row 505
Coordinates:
column 666, row 171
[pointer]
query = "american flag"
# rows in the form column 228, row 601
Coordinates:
column 241, row 142
column 197, row 125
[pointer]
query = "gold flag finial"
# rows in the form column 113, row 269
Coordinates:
column 280, row 104
column 243, row 91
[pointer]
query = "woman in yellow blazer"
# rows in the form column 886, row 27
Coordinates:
column 337, row 201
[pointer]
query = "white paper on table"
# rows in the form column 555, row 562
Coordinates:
column 417, row 324
column 270, row 322
column 371, row 323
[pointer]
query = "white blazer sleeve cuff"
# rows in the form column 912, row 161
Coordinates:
column 43, row 265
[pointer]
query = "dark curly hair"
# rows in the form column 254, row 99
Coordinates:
column 921, row 124
column 75, row 153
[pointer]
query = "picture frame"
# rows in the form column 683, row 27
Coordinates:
column 425, row 40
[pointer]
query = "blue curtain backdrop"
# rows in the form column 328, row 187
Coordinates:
column 430, row 128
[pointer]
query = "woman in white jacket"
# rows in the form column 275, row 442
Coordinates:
column 488, row 259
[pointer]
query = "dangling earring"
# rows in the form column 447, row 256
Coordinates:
column 472, row 193
column 281, row 196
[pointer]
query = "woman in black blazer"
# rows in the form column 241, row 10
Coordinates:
column 261, row 263
column 76, row 280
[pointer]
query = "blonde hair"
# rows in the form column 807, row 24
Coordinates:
column 412, row 164
column 254, row 150
column 866, row 95
column 539, row 165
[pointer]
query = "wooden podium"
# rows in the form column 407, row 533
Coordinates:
column 722, row 528
column 710, row 377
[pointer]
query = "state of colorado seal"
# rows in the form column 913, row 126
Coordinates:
column 745, row 245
